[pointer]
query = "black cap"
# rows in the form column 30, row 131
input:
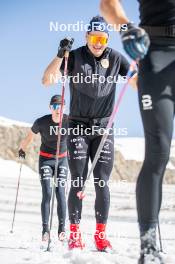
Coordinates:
column 98, row 23
column 56, row 99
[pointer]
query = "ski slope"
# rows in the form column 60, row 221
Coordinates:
column 23, row 246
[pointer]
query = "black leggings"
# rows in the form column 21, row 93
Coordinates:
column 81, row 148
column 46, row 170
column 156, row 89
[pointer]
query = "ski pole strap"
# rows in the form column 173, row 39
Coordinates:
column 132, row 70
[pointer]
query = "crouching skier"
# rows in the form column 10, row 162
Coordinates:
column 91, row 104
column 47, row 126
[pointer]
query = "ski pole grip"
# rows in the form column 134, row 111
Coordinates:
column 70, row 42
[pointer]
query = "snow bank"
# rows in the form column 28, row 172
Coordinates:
column 9, row 122
column 133, row 149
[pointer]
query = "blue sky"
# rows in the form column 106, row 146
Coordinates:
column 27, row 46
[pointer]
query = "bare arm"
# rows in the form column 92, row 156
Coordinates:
column 25, row 142
column 52, row 73
column 133, row 81
column 113, row 12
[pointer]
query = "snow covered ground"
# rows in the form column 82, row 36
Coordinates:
column 23, row 246
column 132, row 148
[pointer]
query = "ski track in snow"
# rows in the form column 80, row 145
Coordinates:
column 23, row 246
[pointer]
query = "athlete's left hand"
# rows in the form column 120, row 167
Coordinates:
column 135, row 42
column 21, row 153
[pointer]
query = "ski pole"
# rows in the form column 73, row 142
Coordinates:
column 67, row 184
column 58, row 149
column 81, row 194
column 16, row 200
column 160, row 238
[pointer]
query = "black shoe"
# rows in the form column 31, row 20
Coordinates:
column 61, row 233
column 45, row 236
column 62, row 236
column 149, row 252
column 45, row 233
column 150, row 256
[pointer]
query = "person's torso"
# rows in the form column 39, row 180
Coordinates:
column 93, row 96
column 157, row 12
column 49, row 134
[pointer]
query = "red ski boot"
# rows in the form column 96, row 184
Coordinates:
column 75, row 240
column 101, row 243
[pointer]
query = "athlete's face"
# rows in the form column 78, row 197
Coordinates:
column 97, row 42
column 55, row 111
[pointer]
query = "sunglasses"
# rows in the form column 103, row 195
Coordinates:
column 55, row 106
column 96, row 39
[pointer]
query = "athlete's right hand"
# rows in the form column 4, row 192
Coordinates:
column 21, row 153
column 65, row 45
column 135, row 41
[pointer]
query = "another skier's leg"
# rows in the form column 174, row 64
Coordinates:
column 78, row 165
column 46, row 174
column 60, row 195
column 157, row 110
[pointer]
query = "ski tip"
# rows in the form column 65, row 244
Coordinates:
column 81, row 195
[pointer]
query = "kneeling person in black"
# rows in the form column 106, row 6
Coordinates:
column 47, row 126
